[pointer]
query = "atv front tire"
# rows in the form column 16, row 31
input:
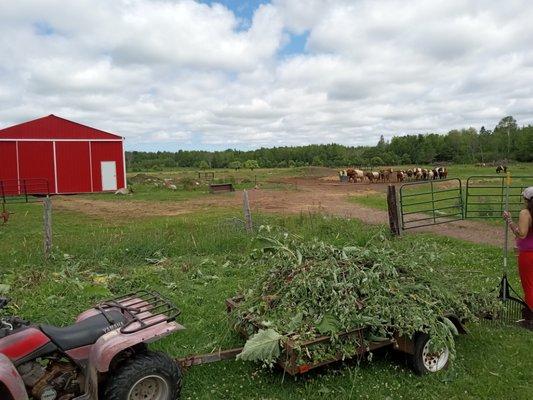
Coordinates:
column 147, row 376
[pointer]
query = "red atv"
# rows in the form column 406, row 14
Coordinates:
column 103, row 355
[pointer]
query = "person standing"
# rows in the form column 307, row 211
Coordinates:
column 523, row 232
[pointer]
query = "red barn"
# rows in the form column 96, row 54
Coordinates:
column 73, row 158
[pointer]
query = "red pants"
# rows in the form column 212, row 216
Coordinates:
column 525, row 267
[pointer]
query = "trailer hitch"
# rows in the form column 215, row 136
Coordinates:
column 199, row 359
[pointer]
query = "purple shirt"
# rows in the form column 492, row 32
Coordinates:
column 526, row 244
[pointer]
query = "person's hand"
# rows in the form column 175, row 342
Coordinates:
column 507, row 216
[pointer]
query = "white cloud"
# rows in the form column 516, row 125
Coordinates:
column 187, row 73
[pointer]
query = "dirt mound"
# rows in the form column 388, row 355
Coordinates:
column 145, row 179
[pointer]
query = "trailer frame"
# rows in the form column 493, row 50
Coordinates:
column 288, row 361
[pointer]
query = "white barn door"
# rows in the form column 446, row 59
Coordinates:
column 109, row 175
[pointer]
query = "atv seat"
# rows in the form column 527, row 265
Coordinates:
column 85, row 332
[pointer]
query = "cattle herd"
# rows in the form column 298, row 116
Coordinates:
column 389, row 175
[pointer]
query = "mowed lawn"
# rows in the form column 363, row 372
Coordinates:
column 198, row 261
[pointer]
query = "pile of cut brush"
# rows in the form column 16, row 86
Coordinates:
column 311, row 289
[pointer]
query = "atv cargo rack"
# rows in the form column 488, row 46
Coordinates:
column 143, row 308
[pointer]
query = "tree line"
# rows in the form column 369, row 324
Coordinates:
column 507, row 141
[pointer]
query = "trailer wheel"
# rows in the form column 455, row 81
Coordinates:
column 147, row 376
column 423, row 361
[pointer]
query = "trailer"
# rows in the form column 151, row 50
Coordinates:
column 416, row 348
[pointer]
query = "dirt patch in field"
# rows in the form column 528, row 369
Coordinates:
column 330, row 178
column 124, row 209
column 311, row 195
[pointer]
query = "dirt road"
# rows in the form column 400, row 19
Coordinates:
column 311, row 195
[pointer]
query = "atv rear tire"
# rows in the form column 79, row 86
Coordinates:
column 423, row 361
column 148, row 376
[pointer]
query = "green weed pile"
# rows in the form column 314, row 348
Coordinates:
column 312, row 289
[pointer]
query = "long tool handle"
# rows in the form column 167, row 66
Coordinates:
column 504, row 285
column 506, row 244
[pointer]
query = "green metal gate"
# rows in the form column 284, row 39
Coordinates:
column 485, row 195
column 431, row 202
column 436, row 202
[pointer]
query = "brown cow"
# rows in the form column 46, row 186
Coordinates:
column 354, row 175
column 400, row 176
column 385, row 174
column 441, row 173
column 372, row 176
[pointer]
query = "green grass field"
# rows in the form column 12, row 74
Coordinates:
column 197, row 259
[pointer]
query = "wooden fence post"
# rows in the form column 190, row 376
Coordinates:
column 392, row 205
column 247, row 212
column 47, row 219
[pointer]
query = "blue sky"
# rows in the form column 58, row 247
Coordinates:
column 242, row 9
column 43, row 28
column 184, row 74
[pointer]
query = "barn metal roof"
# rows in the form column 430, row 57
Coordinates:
column 53, row 127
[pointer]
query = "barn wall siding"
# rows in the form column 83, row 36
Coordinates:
column 36, row 161
column 73, row 167
column 107, row 151
column 8, row 167
column 8, row 160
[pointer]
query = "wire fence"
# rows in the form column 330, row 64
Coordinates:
column 23, row 190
